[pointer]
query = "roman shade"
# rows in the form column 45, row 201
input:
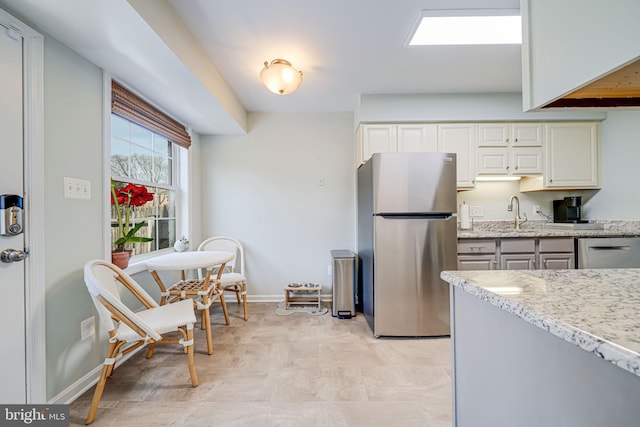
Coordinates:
column 131, row 107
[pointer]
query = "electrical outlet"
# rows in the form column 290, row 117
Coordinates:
column 475, row 211
column 87, row 328
column 536, row 208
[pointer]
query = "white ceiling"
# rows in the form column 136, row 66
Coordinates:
column 204, row 69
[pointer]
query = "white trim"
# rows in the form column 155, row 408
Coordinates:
column 106, row 156
column 35, row 287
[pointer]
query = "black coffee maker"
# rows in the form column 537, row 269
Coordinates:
column 568, row 210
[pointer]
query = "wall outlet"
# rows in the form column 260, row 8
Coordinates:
column 536, row 208
column 475, row 211
column 88, row 328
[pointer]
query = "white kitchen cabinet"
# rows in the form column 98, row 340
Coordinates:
column 510, row 149
column 460, row 138
column 519, row 161
column 510, row 135
column 378, row 138
column 571, row 158
column 419, row 138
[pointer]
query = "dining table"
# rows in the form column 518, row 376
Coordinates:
column 204, row 288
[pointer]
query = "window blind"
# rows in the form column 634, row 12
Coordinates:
column 130, row 106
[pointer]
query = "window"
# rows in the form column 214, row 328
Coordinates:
column 142, row 157
column 144, row 150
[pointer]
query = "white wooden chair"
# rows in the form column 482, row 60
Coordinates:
column 233, row 277
column 128, row 330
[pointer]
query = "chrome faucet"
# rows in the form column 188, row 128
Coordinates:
column 518, row 220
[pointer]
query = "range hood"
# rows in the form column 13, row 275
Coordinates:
column 620, row 88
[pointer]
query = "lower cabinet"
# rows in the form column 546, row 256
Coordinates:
column 477, row 255
column 516, row 254
column 557, row 253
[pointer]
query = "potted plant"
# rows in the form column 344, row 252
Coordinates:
column 124, row 200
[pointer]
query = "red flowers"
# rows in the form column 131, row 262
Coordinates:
column 135, row 195
column 125, row 199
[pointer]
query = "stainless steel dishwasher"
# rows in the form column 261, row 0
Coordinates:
column 609, row 252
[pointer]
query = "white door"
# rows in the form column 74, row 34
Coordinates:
column 12, row 274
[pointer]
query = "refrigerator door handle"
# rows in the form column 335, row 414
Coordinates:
column 414, row 216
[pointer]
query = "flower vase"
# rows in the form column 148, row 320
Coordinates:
column 121, row 259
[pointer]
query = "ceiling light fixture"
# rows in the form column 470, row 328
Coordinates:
column 280, row 77
column 467, row 27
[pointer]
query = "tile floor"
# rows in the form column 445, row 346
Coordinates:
column 271, row 370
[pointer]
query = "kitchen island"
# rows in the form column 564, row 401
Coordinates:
column 545, row 347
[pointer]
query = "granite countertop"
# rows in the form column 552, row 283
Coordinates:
column 596, row 310
column 532, row 229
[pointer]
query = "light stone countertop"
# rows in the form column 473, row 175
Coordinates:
column 533, row 229
column 596, row 310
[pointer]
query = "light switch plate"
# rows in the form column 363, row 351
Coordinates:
column 75, row 188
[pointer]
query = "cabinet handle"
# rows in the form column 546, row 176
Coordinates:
column 516, row 140
column 507, row 167
column 516, row 168
column 507, row 139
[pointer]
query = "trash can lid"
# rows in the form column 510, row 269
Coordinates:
column 342, row 253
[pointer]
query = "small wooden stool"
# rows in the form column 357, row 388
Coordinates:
column 302, row 294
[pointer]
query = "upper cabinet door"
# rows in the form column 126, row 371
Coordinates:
column 418, row 138
column 460, row 138
column 572, row 156
column 494, row 134
column 526, row 135
column 510, row 135
column 378, row 139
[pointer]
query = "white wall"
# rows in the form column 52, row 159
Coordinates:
column 263, row 189
column 619, row 197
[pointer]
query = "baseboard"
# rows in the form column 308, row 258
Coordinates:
column 78, row 388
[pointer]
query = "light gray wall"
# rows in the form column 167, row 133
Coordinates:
column 263, row 189
column 73, row 148
column 445, row 107
column 619, row 198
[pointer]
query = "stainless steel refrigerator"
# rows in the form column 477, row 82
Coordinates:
column 406, row 237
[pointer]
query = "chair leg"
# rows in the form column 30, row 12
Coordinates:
column 244, row 300
column 152, row 346
column 107, row 369
column 224, row 309
column 237, row 290
column 190, row 357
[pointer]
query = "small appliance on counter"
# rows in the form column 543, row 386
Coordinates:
column 568, row 210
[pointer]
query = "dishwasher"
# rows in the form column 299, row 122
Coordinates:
column 609, row 252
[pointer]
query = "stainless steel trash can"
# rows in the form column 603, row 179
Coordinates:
column 343, row 303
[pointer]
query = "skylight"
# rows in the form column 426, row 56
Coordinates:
column 467, row 27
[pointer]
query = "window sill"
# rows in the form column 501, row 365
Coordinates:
column 138, row 263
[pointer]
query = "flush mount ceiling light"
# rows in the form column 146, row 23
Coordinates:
column 280, row 77
column 467, row 27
